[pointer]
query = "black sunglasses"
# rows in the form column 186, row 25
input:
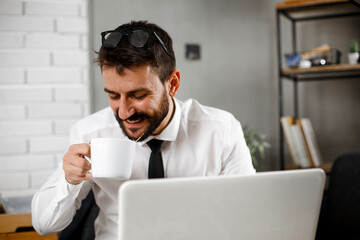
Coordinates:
column 136, row 38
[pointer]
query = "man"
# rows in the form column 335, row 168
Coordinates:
column 138, row 67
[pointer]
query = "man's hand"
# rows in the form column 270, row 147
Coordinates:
column 75, row 166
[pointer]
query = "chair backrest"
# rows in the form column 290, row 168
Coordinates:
column 341, row 216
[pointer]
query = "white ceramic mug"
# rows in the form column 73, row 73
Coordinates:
column 112, row 158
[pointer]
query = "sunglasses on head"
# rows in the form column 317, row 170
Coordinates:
column 136, row 38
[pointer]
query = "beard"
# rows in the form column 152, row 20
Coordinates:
column 154, row 120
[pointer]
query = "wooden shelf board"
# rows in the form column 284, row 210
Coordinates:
column 299, row 3
column 322, row 69
column 326, row 167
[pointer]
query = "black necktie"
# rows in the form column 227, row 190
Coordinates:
column 156, row 168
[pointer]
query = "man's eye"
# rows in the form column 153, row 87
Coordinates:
column 114, row 97
column 139, row 96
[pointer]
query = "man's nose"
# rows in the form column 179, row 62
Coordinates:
column 125, row 108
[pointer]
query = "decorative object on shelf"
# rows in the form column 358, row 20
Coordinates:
column 256, row 143
column 319, row 56
column 354, row 53
column 292, row 60
column 332, row 56
column 305, row 64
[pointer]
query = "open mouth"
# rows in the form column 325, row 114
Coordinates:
column 134, row 120
column 136, row 125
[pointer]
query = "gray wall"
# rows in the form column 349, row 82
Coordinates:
column 238, row 70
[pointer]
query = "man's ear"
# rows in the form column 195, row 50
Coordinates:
column 173, row 83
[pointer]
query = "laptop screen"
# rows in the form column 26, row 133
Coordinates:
column 271, row 205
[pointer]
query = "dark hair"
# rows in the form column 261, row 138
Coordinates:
column 127, row 56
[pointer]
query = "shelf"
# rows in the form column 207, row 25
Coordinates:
column 326, row 167
column 322, row 72
column 311, row 3
column 317, row 9
column 295, row 11
column 322, row 69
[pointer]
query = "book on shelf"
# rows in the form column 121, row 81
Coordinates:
column 311, row 142
column 300, row 144
column 301, row 141
column 292, row 141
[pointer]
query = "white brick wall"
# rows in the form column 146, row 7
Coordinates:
column 52, row 41
column 71, row 58
column 28, row 128
column 24, row 93
column 27, row 162
column 52, row 8
column 72, row 25
column 24, row 58
column 11, row 40
column 10, row 145
column 12, row 75
column 13, row 112
column 28, row 24
column 14, row 181
column 49, row 144
column 52, row 75
column 55, row 110
column 44, row 86
column 10, row 7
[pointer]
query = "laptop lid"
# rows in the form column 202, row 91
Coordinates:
column 278, row 205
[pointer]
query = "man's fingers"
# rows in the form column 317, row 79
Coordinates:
column 77, row 171
column 75, row 166
column 76, row 175
column 82, row 149
column 80, row 162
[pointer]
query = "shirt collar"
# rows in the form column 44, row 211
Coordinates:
column 171, row 131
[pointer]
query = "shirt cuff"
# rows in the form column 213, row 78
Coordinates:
column 66, row 189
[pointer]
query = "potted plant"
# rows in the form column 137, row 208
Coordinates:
column 354, row 53
column 256, row 144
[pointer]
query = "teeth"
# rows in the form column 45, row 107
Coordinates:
column 133, row 121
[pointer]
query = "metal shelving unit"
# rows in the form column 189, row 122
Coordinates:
column 315, row 10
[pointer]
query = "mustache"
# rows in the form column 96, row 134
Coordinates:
column 137, row 115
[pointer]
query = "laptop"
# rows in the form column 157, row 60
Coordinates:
column 279, row 205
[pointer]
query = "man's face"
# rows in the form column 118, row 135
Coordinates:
column 139, row 100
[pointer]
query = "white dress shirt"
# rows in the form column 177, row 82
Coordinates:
column 199, row 141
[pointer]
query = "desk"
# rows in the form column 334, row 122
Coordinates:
column 9, row 223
